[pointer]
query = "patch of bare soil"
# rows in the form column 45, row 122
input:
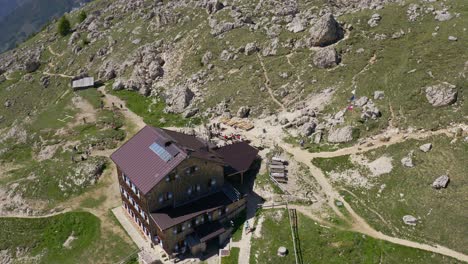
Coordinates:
column 47, row 152
column 86, row 114
column 380, row 166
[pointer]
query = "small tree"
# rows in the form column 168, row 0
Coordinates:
column 63, row 27
column 82, row 16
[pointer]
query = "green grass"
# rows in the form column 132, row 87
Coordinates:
column 239, row 226
column 152, row 110
column 45, row 236
column 329, row 245
column 233, row 258
column 92, row 202
column 442, row 213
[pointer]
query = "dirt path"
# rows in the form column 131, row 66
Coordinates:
column 57, row 74
column 54, row 53
column 267, row 84
column 384, row 140
column 112, row 100
column 358, row 223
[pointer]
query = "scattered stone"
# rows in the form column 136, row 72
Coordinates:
column 207, row 57
column 326, row 58
column 75, row 36
column 408, row 161
column 340, row 135
column 441, row 182
column 361, row 101
column 442, row 15
column 410, row 220
column 226, row 55
column 452, row 38
column 8, row 103
column 243, row 112
column 413, row 12
column 325, row 31
column 282, row 251
column 107, row 71
column 442, row 94
column 45, row 81
column 307, row 129
column 378, row 95
column 374, row 21
column 296, row 25
column 426, row 147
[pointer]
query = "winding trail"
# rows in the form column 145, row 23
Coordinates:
column 57, row 74
column 114, row 101
column 358, row 224
column 54, row 53
column 267, row 84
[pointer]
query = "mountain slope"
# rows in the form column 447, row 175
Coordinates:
column 20, row 19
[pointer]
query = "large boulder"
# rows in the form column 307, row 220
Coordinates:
column 325, row 31
column 442, row 94
column 340, row 135
column 177, row 99
column 410, row 220
column 251, row 48
column 426, row 147
column 243, row 112
column 326, row 58
column 441, row 182
column 31, row 65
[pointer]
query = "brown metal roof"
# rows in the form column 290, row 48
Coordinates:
column 169, row 217
column 140, row 164
column 238, row 156
column 145, row 169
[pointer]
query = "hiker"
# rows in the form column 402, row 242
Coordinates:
column 121, row 106
column 301, row 142
column 84, row 120
column 102, row 105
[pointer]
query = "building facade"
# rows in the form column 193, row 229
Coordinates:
column 175, row 188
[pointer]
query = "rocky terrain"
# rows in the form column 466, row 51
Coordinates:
column 330, row 74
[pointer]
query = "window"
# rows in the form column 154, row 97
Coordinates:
column 165, row 197
column 212, row 182
column 191, row 169
column 189, row 190
column 198, row 187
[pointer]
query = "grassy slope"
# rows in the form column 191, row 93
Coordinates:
column 329, row 245
column 408, row 191
column 233, row 258
column 45, row 237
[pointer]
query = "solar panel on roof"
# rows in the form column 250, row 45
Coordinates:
column 161, row 152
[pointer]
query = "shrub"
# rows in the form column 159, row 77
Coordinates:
column 63, row 27
column 82, row 16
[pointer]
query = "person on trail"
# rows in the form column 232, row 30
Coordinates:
column 121, row 106
column 301, row 142
column 102, row 105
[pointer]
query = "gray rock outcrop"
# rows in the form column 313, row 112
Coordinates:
column 177, row 99
column 251, row 48
column 243, row 112
column 340, row 135
column 307, row 129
